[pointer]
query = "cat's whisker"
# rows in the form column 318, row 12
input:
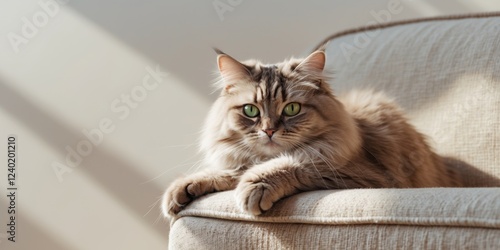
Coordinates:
column 333, row 154
column 196, row 166
column 314, row 165
column 185, row 146
column 158, row 218
column 328, row 163
column 153, row 206
column 169, row 170
column 351, row 173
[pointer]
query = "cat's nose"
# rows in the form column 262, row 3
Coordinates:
column 269, row 132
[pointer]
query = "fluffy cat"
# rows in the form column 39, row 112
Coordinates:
column 278, row 129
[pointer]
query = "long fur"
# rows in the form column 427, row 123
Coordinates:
column 360, row 140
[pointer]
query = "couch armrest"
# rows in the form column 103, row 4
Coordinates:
column 214, row 221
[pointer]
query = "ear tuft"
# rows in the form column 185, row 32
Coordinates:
column 314, row 63
column 218, row 51
column 231, row 70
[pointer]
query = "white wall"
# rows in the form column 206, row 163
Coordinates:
column 69, row 74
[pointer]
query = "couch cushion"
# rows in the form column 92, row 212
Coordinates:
column 445, row 74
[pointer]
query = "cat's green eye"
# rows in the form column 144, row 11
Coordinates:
column 291, row 109
column 251, row 110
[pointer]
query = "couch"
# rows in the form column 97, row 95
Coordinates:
column 445, row 72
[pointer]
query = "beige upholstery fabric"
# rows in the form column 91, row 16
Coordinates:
column 446, row 74
column 364, row 218
column 206, row 233
column 466, row 207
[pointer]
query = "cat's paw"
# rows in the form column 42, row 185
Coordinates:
column 254, row 195
column 182, row 192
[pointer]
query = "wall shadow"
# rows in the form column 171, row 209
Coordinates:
column 114, row 175
column 30, row 235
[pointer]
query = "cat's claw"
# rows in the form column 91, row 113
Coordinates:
column 255, row 196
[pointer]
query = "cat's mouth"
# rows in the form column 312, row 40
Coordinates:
column 272, row 144
column 271, row 148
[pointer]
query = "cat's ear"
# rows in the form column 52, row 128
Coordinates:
column 314, row 63
column 230, row 69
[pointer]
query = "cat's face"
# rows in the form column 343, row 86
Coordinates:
column 271, row 109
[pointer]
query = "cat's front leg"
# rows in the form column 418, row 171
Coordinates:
column 184, row 190
column 264, row 184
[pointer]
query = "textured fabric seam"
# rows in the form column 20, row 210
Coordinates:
column 404, row 22
column 443, row 221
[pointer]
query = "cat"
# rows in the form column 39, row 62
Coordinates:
column 279, row 129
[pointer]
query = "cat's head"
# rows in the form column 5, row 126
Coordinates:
column 269, row 109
